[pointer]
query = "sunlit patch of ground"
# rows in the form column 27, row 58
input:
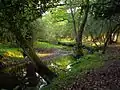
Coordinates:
column 44, row 54
column 90, row 43
column 16, row 54
column 67, row 40
column 98, row 43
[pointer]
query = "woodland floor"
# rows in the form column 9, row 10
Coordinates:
column 105, row 78
column 49, row 54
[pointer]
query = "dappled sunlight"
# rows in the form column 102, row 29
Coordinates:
column 13, row 54
column 61, row 62
column 98, row 43
column 67, row 40
column 90, row 43
column 89, row 62
column 44, row 54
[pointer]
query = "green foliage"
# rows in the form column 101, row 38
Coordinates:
column 59, row 14
column 10, row 52
column 36, row 30
column 61, row 62
column 96, row 27
column 106, row 8
column 99, row 27
column 46, row 45
column 89, row 62
column 17, row 15
column 6, row 36
column 67, row 40
column 55, row 24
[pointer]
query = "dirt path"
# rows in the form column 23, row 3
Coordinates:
column 48, row 54
column 106, row 78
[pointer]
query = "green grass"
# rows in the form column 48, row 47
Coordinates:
column 46, row 45
column 7, row 48
column 66, row 77
column 67, row 41
column 10, row 52
column 15, row 53
column 89, row 62
column 60, row 63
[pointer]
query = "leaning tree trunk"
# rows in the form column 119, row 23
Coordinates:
column 41, row 68
column 79, row 51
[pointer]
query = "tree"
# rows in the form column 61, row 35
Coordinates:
column 81, row 29
column 78, row 32
column 108, row 9
column 15, row 15
column 55, row 24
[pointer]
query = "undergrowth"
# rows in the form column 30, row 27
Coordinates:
column 66, row 76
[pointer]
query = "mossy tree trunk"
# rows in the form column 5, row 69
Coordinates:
column 106, row 42
column 42, row 69
column 79, row 51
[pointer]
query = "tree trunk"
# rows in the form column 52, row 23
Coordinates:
column 106, row 42
column 41, row 68
column 116, row 40
column 108, row 37
column 116, row 34
column 93, row 40
column 114, row 31
column 73, row 21
column 79, row 51
column 75, row 50
column 29, row 37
